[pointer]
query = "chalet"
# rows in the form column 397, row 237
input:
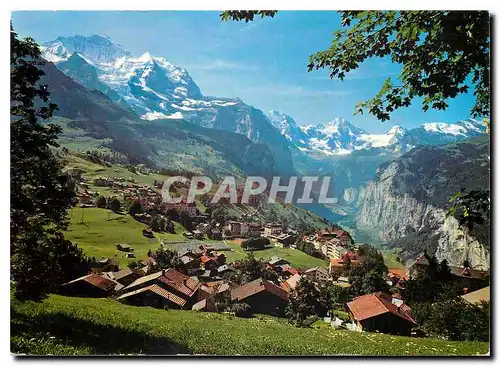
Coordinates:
column 344, row 237
column 124, row 247
column 92, row 285
column 126, row 276
column 148, row 233
column 337, row 267
column 272, row 229
column 213, row 288
column 286, row 270
column 215, row 232
column 476, row 297
column 396, row 276
column 254, row 230
column 317, row 274
column 471, row 278
column 285, row 240
column 171, row 280
column 234, row 228
column 193, row 253
column 376, row 312
column 206, row 249
column 208, row 262
column 264, row 297
column 190, row 264
column 420, row 264
column 155, row 296
column 220, row 258
column 104, row 264
column 203, row 227
column 324, row 235
column 291, row 283
column 277, row 261
column 224, row 269
column 197, row 234
column 208, row 274
column 207, row 304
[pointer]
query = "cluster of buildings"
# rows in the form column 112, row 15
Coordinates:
column 202, row 283
column 333, row 242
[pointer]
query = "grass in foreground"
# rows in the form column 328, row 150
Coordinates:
column 97, row 231
column 64, row 325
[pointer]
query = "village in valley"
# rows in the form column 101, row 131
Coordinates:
column 197, row 273
column 184, row 183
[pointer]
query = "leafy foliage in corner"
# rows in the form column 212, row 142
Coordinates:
column 440, row 51
column 40, row 193
column 246, row 15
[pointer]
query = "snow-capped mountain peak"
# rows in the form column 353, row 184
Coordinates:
column 97, row 48
column 287, row 126
column 397, row 130
column 151, row 86
column 340, row 137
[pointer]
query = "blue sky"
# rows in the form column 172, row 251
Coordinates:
column 264, row 62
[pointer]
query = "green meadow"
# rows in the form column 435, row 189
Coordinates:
column 85, row 326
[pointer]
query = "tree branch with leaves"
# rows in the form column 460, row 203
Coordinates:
column 441, row 54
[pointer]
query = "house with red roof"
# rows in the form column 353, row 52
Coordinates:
column 91, row 285
column 173, row 281
column 376, row 312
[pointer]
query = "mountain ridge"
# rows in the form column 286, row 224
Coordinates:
column 340, row 137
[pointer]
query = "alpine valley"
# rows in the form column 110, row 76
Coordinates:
column 392, row 187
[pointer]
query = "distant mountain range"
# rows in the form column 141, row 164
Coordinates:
column 339, row 137
column 154, row 89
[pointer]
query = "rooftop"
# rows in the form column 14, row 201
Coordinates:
column 257, row 286
column 157, row 290
column 476, row 297
column 377, row 303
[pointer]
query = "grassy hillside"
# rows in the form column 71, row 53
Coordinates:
column 64, row 325
column 97, row 231
column 297, row 258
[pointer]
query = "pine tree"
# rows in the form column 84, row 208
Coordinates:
column 40, row 193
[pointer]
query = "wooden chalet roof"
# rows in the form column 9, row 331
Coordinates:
column 144, row 279
column 96, row 280
column 157, row 290
column 180, row 282
column 467, row 272
column 257, row 286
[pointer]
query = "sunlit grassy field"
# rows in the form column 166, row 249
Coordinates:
column 297, row 258
column 97, row 231
column 65, row 325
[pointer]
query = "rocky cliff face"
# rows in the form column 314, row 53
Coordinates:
column 406, row 204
